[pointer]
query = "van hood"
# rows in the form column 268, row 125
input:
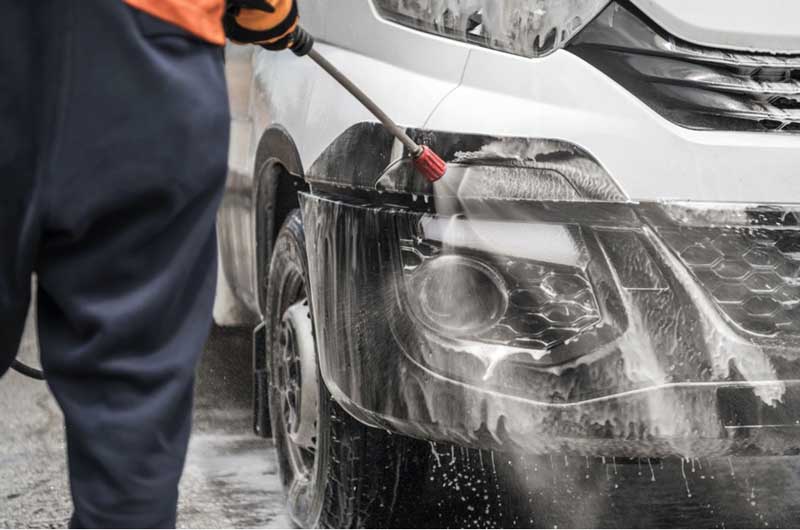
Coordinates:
column 765, row 25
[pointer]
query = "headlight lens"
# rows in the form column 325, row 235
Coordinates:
column 457, row 295
column 508, row 296
column 531, row 28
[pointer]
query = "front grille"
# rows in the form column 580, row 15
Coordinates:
column 749, row 268
column 694, row 86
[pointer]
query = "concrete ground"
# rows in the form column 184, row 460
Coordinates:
column 231, row 476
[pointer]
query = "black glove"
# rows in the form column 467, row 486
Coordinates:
column 269, row 23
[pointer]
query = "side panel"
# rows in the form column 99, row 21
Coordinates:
column 406, row 72
column 230, row 307
column 265, row 89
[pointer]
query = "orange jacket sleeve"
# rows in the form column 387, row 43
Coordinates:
column 202, row 18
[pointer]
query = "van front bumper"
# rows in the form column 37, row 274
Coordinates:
column 633, row 330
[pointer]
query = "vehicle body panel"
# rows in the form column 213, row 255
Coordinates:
column 506, row 95
column 683, row 379
column 766, row 25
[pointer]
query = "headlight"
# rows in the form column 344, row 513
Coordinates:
column 532, row 28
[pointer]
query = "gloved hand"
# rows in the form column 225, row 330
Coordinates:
column 269, row 23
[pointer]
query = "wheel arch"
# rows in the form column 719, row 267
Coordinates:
column 278, row 177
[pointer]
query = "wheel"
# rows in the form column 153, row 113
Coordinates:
column 294, row 397
column 337, row 472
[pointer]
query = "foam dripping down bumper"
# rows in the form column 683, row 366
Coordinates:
column 582, row 328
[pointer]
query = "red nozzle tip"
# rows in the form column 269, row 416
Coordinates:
column 430, row 164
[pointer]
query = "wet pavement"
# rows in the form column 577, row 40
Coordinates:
column 231, row 476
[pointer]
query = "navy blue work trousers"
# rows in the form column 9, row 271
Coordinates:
column 113, row 150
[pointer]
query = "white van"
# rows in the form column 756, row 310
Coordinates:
column 610, row 269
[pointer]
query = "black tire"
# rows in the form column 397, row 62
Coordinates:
column 287, row 278
column 365, row 477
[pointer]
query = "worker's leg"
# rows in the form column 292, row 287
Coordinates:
column 17, row 162
column 128, row 262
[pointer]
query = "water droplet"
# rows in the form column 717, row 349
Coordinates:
column 435, row 455
column 685, row 480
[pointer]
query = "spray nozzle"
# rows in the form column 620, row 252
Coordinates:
column 430, row 164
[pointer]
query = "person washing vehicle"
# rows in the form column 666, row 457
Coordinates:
column 113, row 152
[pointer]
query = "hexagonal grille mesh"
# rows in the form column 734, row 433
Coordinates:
column 752, row 274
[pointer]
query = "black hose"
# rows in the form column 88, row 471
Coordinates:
column 26, row 370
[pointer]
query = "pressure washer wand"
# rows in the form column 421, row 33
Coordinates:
column 426, row 160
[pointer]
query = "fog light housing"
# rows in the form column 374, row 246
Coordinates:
column 470, row 280
column 458, row 295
